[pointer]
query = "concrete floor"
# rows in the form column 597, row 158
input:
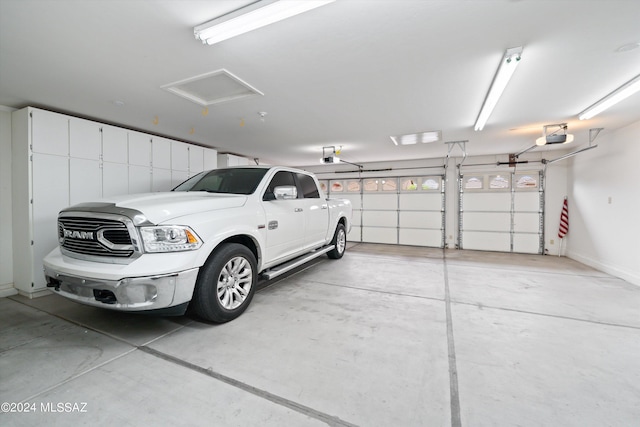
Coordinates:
column 387, row 336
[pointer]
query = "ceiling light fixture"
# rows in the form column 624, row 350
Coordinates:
column 256, row 15
column 508, row 65
column 624, row 91
column 554, row 137
column 414, row 138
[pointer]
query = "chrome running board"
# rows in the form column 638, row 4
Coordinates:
column 296, row 262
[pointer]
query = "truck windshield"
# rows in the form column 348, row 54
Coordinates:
column 233, row 181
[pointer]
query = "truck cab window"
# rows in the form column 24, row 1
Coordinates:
column 308, row 186
column 280, row 179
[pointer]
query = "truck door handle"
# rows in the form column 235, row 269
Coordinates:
column 325, row 207
column 297, row 210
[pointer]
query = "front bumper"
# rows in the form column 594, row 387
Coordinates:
column 128, row 294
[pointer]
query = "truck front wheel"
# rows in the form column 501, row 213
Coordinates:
column 339, row 241
column 226, row 283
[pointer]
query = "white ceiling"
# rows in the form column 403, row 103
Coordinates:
column 348, row 74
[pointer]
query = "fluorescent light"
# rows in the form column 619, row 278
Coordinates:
column 256, row 15
column 624, row 91
column 507, row 66
column 414, row 138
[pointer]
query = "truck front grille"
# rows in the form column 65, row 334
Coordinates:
column 95, row 236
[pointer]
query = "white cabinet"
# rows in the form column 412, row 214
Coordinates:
column 210, row 159
column 115, row 157
column 59, row 160
column 161, row 153
column 49, row 132
column 139, row 163
column 161, row 180
column 85, row 139
column 50, row 194
column 196, row 160
column 139, row 179
column 115, row 179
column 139, row 149
column 226, row 160
column 85, row 150
column 114, row 145
column 178, row 177
column 40, row 188
column 179, row 156
column 85, row 180
column 161, row 162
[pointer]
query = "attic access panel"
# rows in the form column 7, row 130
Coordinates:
column 212, row 88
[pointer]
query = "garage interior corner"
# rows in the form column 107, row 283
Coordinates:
column 390, row 336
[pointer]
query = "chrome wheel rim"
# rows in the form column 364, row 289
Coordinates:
column 234, row 282
column 341, row 241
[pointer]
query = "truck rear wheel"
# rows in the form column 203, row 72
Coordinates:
column 226, row 283
column 339, row 241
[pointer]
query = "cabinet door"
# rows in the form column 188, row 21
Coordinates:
column 178, row 177
column 196, row 159
column 139, row 149
column 161, row 180
column 115, row 179
column 50, row 196
column 139, row 179
column 84, row 139
column 161, row 149
column 179, row 156
column 225, row 160
column 210, row 158
column 85, row 180
column 241, row 161
column 114, row 145
column 50, row 133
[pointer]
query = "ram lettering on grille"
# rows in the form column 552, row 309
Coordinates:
column 75, row 234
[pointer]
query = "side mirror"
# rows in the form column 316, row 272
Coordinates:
column 285, row 192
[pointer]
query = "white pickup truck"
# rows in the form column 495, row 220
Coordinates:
column 203, row 244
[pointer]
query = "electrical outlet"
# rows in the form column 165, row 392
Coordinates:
column 609, row 199
column 552, row 242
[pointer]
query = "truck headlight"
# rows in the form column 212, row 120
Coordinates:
column 169, row 238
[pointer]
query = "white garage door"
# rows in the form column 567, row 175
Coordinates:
column 501, row 212
column 394, row 210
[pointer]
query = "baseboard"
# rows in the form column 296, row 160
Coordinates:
column 630, row 277
column 7, row 290
column 35, row 294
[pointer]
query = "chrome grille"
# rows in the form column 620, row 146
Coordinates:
column 118, row 237
column 95, row 236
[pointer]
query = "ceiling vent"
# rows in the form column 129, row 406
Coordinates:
column 212, row 88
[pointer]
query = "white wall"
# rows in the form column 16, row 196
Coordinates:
column 6, row 223
column 604, row 205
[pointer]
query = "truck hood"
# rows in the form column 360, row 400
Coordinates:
column 162, row 207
